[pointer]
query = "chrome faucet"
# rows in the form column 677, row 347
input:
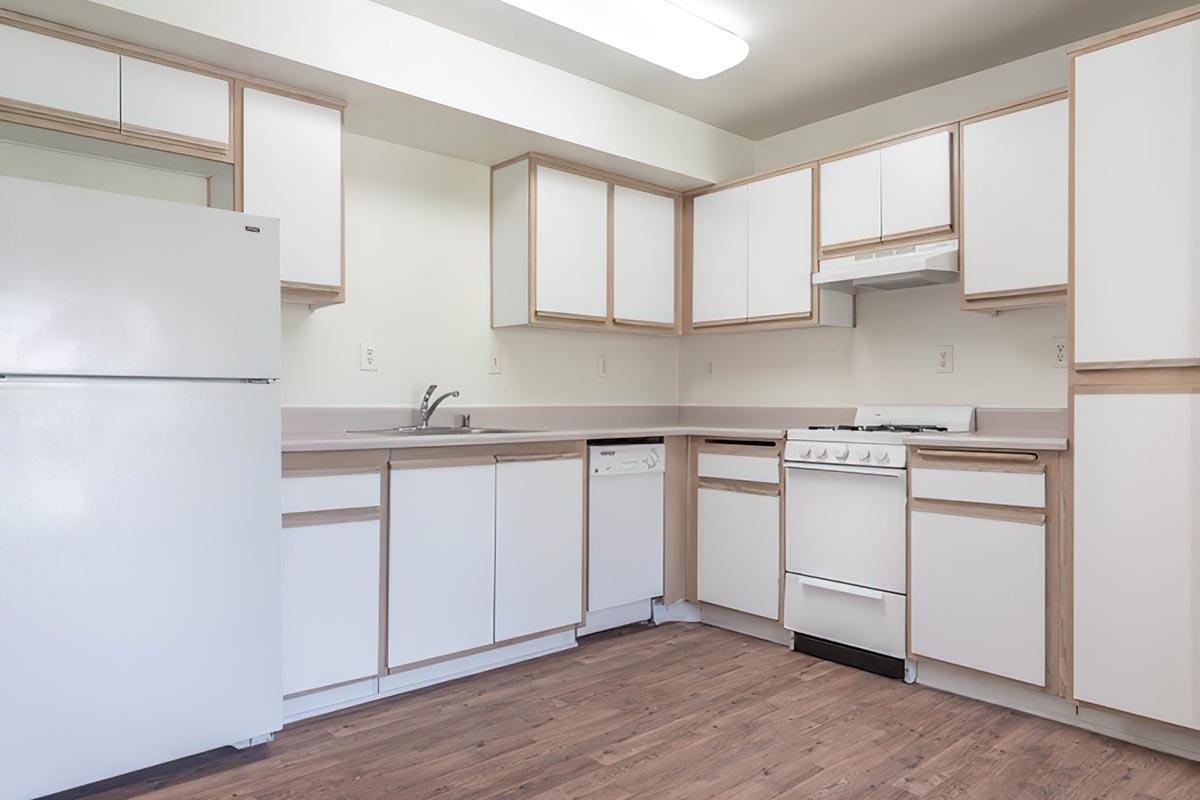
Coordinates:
column 428, row 408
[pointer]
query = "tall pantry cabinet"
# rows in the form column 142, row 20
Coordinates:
column 1135, row 382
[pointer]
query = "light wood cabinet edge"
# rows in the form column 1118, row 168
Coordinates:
column 333, row 516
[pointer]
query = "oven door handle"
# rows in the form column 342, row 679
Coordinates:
column 885, row 472
column 843, row 588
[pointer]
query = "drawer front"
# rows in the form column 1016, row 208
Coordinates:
column 739, row 468
column 840, row 612
column 978, row 590
column 328, row 492
column 975, row 486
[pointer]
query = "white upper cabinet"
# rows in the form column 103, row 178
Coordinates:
column 1014, row 195
column 1136, row 521
column 850, row 200
column 571, row 255
column 780, row 245
column 50, row 74
column 161, row 100
column 293, row 171
column 720, row 240
column 915, row 185
column 643, row 256
column 1137, row 199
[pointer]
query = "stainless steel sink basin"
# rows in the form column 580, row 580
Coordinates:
column 433, row 430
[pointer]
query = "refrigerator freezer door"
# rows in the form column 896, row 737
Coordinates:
column 139, row 574
column 98, row 283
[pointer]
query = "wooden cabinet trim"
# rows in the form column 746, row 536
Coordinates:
column 992, row 456
column 438, row 463
column 1133, row 31
column 1029, row 516
column 303, row 519
column 739, row 486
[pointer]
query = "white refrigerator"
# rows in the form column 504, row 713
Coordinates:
column 139, row 483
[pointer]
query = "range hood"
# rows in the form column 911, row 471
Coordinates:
column 898, row 268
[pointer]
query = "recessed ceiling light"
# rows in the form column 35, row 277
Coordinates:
column 657, row 31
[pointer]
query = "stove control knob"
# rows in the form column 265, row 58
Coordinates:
column 881, row 455
column 820, row 453
column 841, row 453
column 651, row 459
column 865, row 455
column 805, row 452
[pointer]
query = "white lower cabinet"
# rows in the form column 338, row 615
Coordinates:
column 330, row 604
column 539, row 545
column 870, row 619
column 737, row 550
column 978, row 593
column 1137, row 554
column 441, row 561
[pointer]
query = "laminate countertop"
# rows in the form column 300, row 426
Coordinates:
column 302, row 442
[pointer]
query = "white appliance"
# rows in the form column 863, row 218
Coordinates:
column 895, row 268
column 625, row 533
column 139, row 460
column 845, row 592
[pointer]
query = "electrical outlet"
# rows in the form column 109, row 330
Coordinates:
column 1060, row 352
column 368, row 357
column 602, row 366
column 494, row 367
column 945, row 358
column 711, row 368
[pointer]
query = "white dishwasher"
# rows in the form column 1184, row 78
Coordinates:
column 625, row 533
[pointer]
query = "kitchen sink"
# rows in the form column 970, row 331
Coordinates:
column 434, row 430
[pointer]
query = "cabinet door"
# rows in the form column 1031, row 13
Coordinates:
column 977, row 594
column 1136, row 528
column 915, row 185
column 643, row 256
column 779, row 276
column 737, row 551
column 157, row 100
column 720, row 231
column 539, row 546
column 850, row 200
column 571, row 235
column 330, row 604
column 293, row 171
column 1137, row 199
column 50, row 74
column 441, row 561
column 1014, row 195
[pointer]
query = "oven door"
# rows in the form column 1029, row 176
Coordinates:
column 847, row 524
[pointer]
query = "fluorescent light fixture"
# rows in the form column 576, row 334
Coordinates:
column 657, row 31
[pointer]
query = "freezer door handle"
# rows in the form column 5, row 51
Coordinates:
column 843, row 588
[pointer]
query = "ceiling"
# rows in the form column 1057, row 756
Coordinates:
column 809, row 59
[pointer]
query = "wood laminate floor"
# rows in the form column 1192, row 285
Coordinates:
column 679, row 711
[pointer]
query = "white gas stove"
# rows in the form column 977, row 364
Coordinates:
column 876, row 439
column 845, row 592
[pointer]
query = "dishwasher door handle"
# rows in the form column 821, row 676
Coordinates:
column 842, row 588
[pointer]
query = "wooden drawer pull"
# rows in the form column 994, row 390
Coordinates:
column 742, row 487
column 536, row 457
column 979, row 455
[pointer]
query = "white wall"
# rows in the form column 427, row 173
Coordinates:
column 417, row 244
column 1004, row 360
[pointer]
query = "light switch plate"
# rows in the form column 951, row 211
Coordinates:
column 368, row 357
column 945, row 358
column 494, row 367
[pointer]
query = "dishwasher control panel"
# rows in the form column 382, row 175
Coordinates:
column 625, row 459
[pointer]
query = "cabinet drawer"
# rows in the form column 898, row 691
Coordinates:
column 974, row 486
column 978, row 590
column 739, row 468
column 840, row 612
column 327, row 492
